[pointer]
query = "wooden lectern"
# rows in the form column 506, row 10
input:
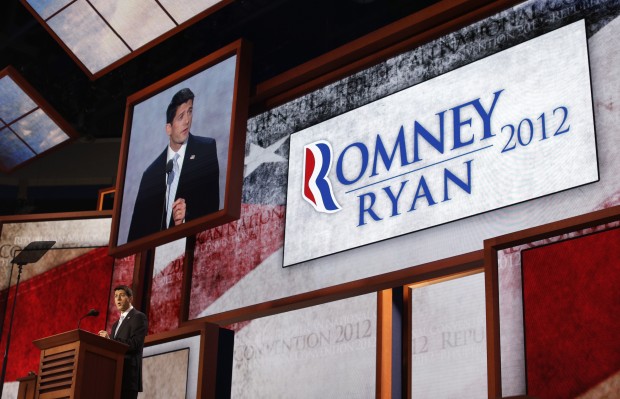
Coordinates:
column 78, row 364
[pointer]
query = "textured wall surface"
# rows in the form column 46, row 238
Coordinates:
column 165, row 301
column 448, row 327
column 122, row 275
column 512, row 339
column 52, row 303
column 325, row 351
column 190, row 350
column 165, row 375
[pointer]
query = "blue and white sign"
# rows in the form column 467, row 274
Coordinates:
column 512, row 127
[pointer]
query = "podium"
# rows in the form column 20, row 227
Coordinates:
column 78, row 364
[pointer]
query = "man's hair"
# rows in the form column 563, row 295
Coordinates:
column 181, row 97
column 125, row 288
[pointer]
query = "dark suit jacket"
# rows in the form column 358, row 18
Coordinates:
column 132, row 332
column 198, row 185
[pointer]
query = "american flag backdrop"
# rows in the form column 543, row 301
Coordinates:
column 240, row 263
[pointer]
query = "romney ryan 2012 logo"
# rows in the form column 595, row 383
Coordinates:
column 459, row 145
column 317, row 189
column 429, row 161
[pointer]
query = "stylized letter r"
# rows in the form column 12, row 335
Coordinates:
column 317, row 189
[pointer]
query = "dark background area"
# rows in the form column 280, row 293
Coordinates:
column 284, row 34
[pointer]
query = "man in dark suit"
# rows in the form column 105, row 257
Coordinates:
column 130, row 329
column 182, row 183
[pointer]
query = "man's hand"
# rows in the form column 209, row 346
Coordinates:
column 178, row 211
column 104, row 334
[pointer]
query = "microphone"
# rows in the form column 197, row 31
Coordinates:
column 92, row 312
column 169, row 167
column 169, row 179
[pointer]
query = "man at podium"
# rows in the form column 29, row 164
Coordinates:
column 130, row 329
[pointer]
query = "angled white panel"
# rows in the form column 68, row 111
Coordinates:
column 14, row 151
column 182, row 11
column 88, row 36
column 39, row 131
column 46, row 8
column 136, row 21
column 13, row 101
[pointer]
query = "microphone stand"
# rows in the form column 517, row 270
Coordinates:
column 79, row 321
column 8, row 336
column 31, row 254
column 91, row 313
column 6, row 301
column 164, row 211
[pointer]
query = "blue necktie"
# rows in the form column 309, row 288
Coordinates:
column 173, row 182
column 118, row 325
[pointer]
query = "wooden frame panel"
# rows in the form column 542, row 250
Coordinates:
column 102, row 194
column 236, row 151
column 492, row 246
column 41, row 217
column 45, row 107
column 384, row 345
column 422, row 272
column 133, row 53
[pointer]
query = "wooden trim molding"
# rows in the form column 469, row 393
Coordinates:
column 142, row 280
column 401, row 277
column 384, row 345
column 39, row 217
column 186, row 282
column 101, row 196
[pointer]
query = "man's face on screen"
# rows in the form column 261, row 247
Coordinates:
column 121, row 300
column 178, row 130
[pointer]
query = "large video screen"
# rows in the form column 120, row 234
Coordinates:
column 553, row 324
column 182, row 146
column 463, row 143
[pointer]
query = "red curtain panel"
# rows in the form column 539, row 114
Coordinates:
column 572, row 314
